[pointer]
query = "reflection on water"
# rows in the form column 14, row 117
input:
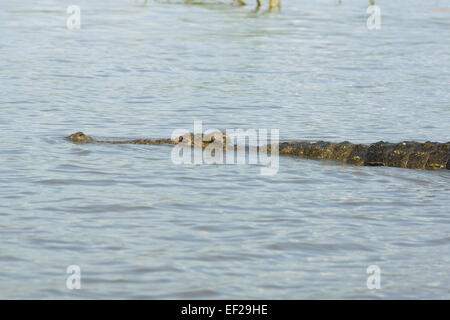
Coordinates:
column 142, row 227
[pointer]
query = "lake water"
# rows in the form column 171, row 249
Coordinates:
column 140, row 226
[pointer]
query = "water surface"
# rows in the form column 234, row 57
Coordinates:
column 140, row 226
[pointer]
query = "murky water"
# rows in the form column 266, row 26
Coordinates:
column 140, row 226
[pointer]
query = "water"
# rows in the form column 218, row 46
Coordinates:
column 140, row 226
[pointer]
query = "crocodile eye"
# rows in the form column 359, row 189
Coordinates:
column 180, row 139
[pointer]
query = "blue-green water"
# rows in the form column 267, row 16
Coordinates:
column 140, row 226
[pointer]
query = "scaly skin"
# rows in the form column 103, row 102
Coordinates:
column 407, row 154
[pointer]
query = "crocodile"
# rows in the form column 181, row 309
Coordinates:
column 406, row 154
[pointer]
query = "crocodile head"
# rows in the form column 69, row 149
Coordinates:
column 80, row 138
column 189, row 139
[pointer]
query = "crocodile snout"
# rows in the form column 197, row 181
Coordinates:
column 80, row 137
